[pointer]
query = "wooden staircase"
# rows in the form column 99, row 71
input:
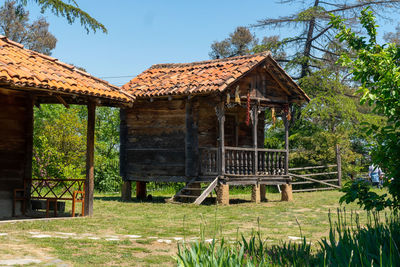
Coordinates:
column 193, row 193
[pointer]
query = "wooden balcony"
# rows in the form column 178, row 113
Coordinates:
column 245, row 165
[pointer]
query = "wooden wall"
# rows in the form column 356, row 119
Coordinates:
column 16, row 116
column 154, row 146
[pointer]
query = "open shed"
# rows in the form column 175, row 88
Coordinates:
column 28, row 78
column 203, row 123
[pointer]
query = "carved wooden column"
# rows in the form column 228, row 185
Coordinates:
column 286, row 122
column 220, row 111
column 254, row 116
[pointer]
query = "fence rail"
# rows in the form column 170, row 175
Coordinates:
column 317, row 179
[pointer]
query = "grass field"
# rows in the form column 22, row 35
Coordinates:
column 146, row 233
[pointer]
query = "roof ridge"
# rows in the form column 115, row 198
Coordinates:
column 174, row 65
column 58, row 62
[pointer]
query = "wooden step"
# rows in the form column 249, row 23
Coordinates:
column 193, row 189
column 187, row 196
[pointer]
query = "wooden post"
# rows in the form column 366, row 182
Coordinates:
column 126, row 191
column 191, row 142
column 89, row 183
column 141, row 192
column 339, row 165
column 286, row 121
column 263, row 191
column 220, row 110
column 255, row 143
column 28, row 154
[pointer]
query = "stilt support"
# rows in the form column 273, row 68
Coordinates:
column 263, row 191
column 141, row 192
column 223, row 194
column 286, row 194
column 127, row 191
column 255, row 193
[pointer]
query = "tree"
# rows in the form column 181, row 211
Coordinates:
column 14, row 24
column 70, row 10
column 238, row 44
column 315, row 33
column 377, row 68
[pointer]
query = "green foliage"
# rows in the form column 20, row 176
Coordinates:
column 349, row 244
column 60, row 144
column 375, row 244
column 376, row 68
column 107, row 177
column 360, row 191
column 70, row 10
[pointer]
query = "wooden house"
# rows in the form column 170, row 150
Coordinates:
column 28, row 78
column 203, row 123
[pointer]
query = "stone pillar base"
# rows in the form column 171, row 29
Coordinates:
column 141, row 192
column 286, row 194
column 223, row 194
column 263, row 191
column 126, row 191
column 255, row 194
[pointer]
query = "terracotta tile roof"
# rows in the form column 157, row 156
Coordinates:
column 27, row 69
column 198, row 77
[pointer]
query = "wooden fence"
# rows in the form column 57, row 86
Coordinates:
column 317, row 178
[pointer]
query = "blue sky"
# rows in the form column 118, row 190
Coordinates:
column 143, row 33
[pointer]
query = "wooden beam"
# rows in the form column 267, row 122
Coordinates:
column 89, row 183
column 28, row 151
column 62, row 101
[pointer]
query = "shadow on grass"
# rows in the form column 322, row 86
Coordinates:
column 157, row 199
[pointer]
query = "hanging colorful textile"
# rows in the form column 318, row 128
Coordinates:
column 287, row 112
column 248, row 108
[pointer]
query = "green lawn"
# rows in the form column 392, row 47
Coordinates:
column 110, row 237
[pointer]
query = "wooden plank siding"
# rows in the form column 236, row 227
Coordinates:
column 155, row 140
column 15, row 158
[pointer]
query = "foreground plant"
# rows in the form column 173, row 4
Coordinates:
column 348, row 244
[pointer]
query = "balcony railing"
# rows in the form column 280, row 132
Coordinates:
column 242, row 161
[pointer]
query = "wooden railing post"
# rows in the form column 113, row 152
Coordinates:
column 220, row 111
column 255, row 124
column 339, row 165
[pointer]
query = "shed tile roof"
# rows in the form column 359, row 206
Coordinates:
column 199, row 77
column 27, row 69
